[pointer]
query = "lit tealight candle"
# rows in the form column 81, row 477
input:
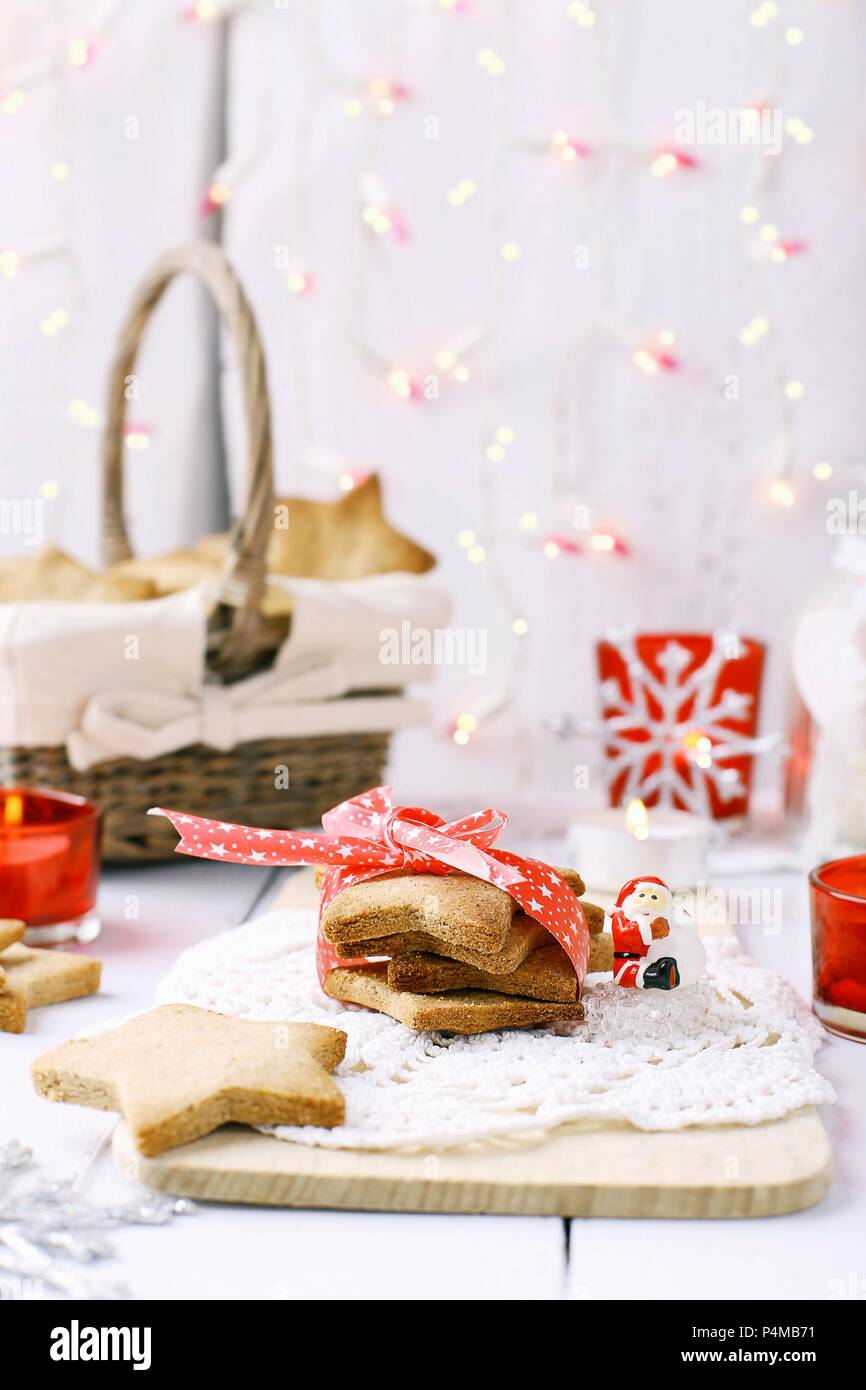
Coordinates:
column 613, row 845
column 49, row 864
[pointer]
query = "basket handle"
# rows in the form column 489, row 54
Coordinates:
column 242, row 581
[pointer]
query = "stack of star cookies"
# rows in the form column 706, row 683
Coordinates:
column 456, row 953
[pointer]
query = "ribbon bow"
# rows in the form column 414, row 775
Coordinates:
column 149, row 723
column 368, row 835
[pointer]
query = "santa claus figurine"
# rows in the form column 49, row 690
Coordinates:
column 650, row 949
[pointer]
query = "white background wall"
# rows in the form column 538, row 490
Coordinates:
column 678, row 469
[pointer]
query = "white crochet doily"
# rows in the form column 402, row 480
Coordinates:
column 702, row 1055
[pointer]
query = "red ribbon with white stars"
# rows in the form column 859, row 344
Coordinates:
column 369, row 835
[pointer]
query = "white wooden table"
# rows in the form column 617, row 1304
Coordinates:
column 242, row 1252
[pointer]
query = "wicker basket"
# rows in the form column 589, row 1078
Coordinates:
column 236, row 785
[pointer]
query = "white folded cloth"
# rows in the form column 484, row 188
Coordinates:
column 112, row 680
column 54, row 657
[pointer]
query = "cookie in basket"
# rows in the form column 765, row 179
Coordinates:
column 346, row 539
column 342, row 540
column 52, row 575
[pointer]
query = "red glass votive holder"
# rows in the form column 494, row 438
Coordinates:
column 709, row 705
column 49, row 864
column 838, row 899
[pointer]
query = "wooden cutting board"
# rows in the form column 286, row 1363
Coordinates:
column 763, row 1170
column 733, row 1171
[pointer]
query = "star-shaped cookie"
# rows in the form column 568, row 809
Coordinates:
column 32, row 976
column 11, row 930
column 341, row 540
column 345, row 539
column 454, row 1011
column 466, row 912
column 52, row 574
column 177, row 1072
column 546, row 973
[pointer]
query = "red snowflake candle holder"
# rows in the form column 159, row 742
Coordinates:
column 49, row 864
column 680, row 719
column 838, row 900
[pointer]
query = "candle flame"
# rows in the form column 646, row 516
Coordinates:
column 13, row 810
column 699, row 747
column 637, row 819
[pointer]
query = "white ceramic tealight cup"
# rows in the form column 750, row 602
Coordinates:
column 611, row 846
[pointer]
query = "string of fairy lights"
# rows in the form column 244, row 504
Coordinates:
column 19, row 85
column 470, row 355
column 657, row 355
